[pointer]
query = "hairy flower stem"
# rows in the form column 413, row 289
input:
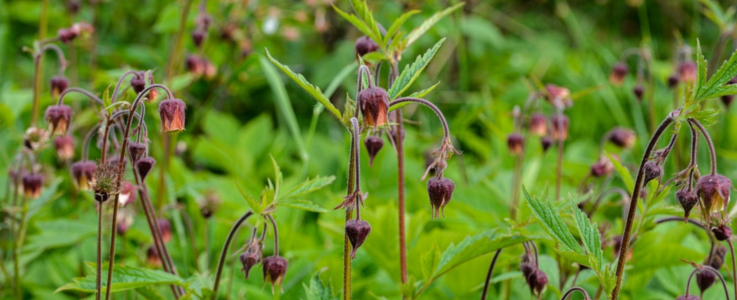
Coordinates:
column 488, row 275
column 349, row 216
column 712, row 152
column 399, row 128
column 633, row 202
column 98, row 276
column 559, row 168
column 734, row 266
column 574, row 289
column 710, row 269
column 224, row 252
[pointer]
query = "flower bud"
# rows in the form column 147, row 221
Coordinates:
column 144, row 166
column 365, row 45
column 136, row 151
column 546, row 142
column 66, row 35
column 374, row 105
column 165, row 228
column 198, row 36
column 440, row 191
column 152, row 257
column 73, row 6
column 722, row 232
column 538, row 124
column 357, row 231
column 619, row 71
column 672, row 81
column 58, row 117
column 727, row 100
column 138, row 82
column 687, row 199
column 515, row 143
column 652, row 171
column 194, row 65
column 537, row 280
column 32, row 184
column 560, row 127
column 714, row 192
column 622, row 137
column 373, row 145
column 687, row 71
column 127, row 193
column 705, row 279
column 716, row 260
column 64, row 146
column 602, row 168
column 558, row 96
column 58, row 85
column 210, row 70
column 275, row 267
column 203, row 21
column 83, row 172
column 639, row 91
column 172, row 115
column 252, row 256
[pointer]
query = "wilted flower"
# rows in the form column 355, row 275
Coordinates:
column 275, row 267
column 64, row 146
column 440, row 191
column 619, row 71
column 172, row 115
column 374, row 105
column 357, row 231
column 83, row 172
column 32, row 184
column 58, row 117
column 538, row 124
column 515, row 143
column 373, row 145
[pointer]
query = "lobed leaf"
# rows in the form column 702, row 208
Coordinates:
column 124, row 278
column 590, row 237
column 363, row 11
column 308, row 186
column 317, row 290
column 398, row 24
column 255, row 206
column 410, row 73
column 713, row 87
column 553, row 223
column 302, row 204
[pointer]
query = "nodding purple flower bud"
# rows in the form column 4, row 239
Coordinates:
column 440, row 191
column 537, row 280
column 144, row 166
column 165, row 228
column 58, row 117
column 559, row 127
column 172, row 115
column 374, row 105
column 58, row 85
column 136, row 151
column 373, row 145
column 689, row 297
column 73, row 6
column 602, row 168
column 365, row 45
column 722, row 232
column 32, row 184
column 252, row 256
column 687, row 71
column 127, row 193
column 84, row 172
column 275, row 267
column 714, row 193
column 705, row 279
column 194, row 65
column 622, row 137
column 66, row 35
column 673, row 80
column 138, row 82
column 687, row 199
column 64, row 146
column 716, row 260
column 198, row 36
column 558, row 96
column 619, row 71
column 357, row 231
column 639, row 91
column 538, row 124
column 652, row 171
column 152, row 257
column 526, row 267
column 546, row 142
column 515, row 143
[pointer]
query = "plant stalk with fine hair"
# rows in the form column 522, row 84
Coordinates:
column 224, row 252
column 488, row 275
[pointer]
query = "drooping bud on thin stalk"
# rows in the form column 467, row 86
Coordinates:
column 224, row 252
column 700, row 269
column 37, row 73
column 576, row 289
column 275, row 266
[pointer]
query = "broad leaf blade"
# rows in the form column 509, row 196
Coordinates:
column 590, row 237
column 410, row 73
column 124, row 278
column 308, row 186
column 419, row 31
column 398, row 24
column 302, row 204
column 553, row 223
column 255, row 206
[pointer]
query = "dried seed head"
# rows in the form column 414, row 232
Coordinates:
column 558, row 96
column 105, row 180
column 144, row 166
column 58, row 85
column 722, row 232
column 559, row 127
column 619, row 71
column 515, row 143
column 275, row 267
column 687, row 71
column 374, row 105
column 58, row 117
column 32, row 184
column 652, row 171
column 127, row 193
column 373, row 145
column 602, row 168
column 546, row 142
column 714, row 193
column 165, row 228
column 357, row 231
column 365, row 45
column 639, row 91
column 687, row 199
column 252, row 256
column 64, row 146
column 84, row 172
column 672, row 80
column 198, row 36
column 538, row 124
column 622, row 137
column 172, row 115
column 705, row 279
column 136, row 151
column 440, row 191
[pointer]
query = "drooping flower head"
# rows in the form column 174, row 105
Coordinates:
column 172, row 115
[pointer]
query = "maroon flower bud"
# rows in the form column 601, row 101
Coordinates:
column 374, row 105
column 538, row 124
column 638, row 91
column 357, row 231
column 560, row 127
column 546, row 142
column 83, row 172
column 152, row 257
column 252, row 256
column 165, row 228
column 722, row 232
column 619, row 71
column 716, row 260
column 194, row 65
column 127, row 193
column 275, row 267
column 32, row 184
column 365, row 45
column 688, row 200
column 172, row 115
column 687, row 71
column 526, row 267
column 558, row 96
column 73, row 6
column 204, row 21
column 602, row 168
column 652, row 171
column 198, row 36
column 440, row 191
column 58, row 117
column 373, row 145
column 622, row 137
column 144, row 166
column 136, row 151
column 58, row 85
column 515, row 143
column 714, row 194
column 64, row 146
column 705, row 279
column 689, row 297
column 138, row 82
column 537, row 280
column 673, row 80
column 66, row 35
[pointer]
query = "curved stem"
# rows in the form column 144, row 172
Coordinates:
column 574, row 289
column 59, row 55
column 488, row 275
column 692, row 221
column 429, row 104
column 81, row 91
column 276, row 234
column 710, row 269
column 712, row 152
column 734, row 270
column 117, row 85
column 356, row 149
column 364, row 72
column 224, row 252
column 87, row 140
column 633, row 202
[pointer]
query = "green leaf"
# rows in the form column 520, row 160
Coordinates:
column 363, row 11
column 410, row 73
column 418, row 94
column 590, row 237
column 302, row 204
column 124, row 278
column 419, row 31
column 311, row 89
column 398, row 24
column 255, row 206
column 150, row 293
column 623, row 173
column 430, row 261
column 712, row 88
column 701, row 64
column 278, row 178
column 553, row 223
column 60, row 233
column 317, row 290
column 308, row 186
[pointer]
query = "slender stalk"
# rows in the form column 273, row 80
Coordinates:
column 559, row 168
column 516, row 178
column 276, row 234
column 98, row 276
column 710, row 269
column 633, row 204
column 712, row 152
column 348, row 216
column 574, row 289
column 491, row 271
column 224, row 253
column 401, row 205
column 36, row 87
column 734, row 267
